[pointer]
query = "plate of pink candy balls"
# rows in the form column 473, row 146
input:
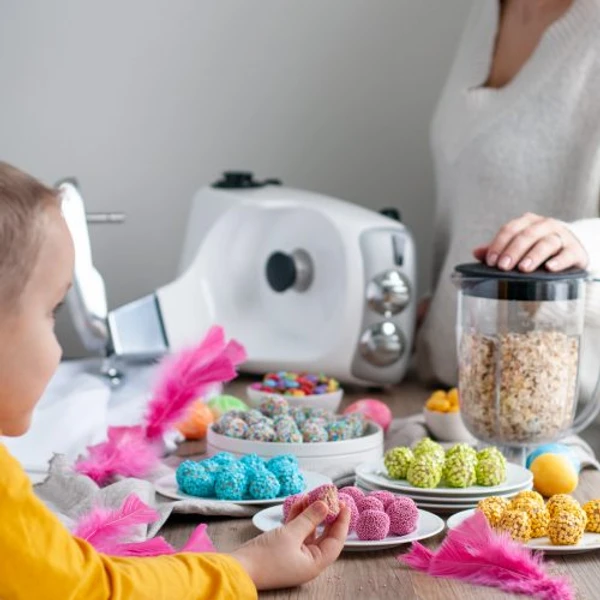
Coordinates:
column 379, row 520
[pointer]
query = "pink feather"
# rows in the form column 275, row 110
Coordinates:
column 187, row 375
column 474, row 552
column 199, row 541
column 104, row 528
column 126, row 452
column 153, row 547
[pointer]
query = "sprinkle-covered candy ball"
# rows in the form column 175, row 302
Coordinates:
column 273, row 406
column 314, row 432
column 231, row 483
column 459, row 471
column 463, row 450
column 353, row 491
column 384, row 496
column 369, row 503
column 351, row 504
column 357, row 423
column 397, row 461
column 236, row 428
column 289, row 502
column 327, row 493
column 428, row 447
column 287, row 431
column 373, row 410
column 263, row 485
column 338, row 430
column 372, row 525
column 516, row 524
column 553, row 474
column 261, row 432
column 562, row 502
column 425, row 471
column 493, row 507
column 403, row 514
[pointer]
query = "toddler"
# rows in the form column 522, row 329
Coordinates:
column 39, row 557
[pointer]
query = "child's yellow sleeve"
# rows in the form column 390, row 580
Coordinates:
column 41, row 559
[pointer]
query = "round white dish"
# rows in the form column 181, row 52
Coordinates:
column 312, row 457
column 447, row 427
column 428, row 526
column 375, row 473
column 167, row 486
column 432, row 497
column 589, row 542
column 330, row 401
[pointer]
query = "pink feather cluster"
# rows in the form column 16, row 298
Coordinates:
column 135, row 451
column 106, row 531
column 474, row 552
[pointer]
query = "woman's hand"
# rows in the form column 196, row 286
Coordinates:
column 530, row 241
column 292, row 555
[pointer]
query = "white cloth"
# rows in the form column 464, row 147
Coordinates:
column 533, row 145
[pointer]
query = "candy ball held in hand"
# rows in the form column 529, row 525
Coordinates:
column 553, row 474
column 374, row 410
column 327, row 493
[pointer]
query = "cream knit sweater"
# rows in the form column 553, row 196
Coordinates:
column 533, row 145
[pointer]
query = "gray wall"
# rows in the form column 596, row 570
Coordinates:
column 147, row 100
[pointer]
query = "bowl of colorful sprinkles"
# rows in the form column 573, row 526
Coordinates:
column 316, row 436
column 299, row 389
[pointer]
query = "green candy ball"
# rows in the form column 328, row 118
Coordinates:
column 463, row 450
column 219, row 405
column 459, row 470
column 397, row 461
column 425, row 471
column 428, row 447
column 490, row 470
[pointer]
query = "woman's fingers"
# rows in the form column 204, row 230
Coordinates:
column 496, row 252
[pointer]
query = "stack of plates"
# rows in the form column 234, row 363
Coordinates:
column 373, row 476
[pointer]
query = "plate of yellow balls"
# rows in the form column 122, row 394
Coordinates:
column 559, row 526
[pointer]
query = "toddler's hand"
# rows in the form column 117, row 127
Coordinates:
column 292, row 555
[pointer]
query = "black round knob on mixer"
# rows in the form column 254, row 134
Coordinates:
column 392, row 213
column 281, row 271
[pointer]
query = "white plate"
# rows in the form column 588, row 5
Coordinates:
column 589, row 542
column 374, row 473
column 167, row 486
column 428, row 526
column 450, row 500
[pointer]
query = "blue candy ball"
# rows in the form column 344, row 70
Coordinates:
column 264, row 485
column 561, row 449
column 223, row 458
column 291, row 483
column 231, row 484
column 199, row 483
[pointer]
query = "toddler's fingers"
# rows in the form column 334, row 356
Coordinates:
column 308, row 520
column 480, row 253
column 332, row 543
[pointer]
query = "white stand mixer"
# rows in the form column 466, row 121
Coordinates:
column 306, row 282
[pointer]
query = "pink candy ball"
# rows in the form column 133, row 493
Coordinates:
column 385, row 497
column 288, row 503
column 369, row 503
column 353, row 491
column 327, row 493
column 403, row 514
column 372, row 525
column 349, row 502
column 373, row 410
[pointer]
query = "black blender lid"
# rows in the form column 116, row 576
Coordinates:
column 540, row 285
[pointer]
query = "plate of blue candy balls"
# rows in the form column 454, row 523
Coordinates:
column 246, row 480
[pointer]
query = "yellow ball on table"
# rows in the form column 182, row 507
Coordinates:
column 553, row 474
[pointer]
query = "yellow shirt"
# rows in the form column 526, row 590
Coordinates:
column 39, row 558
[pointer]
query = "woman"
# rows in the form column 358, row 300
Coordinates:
column 516, row 144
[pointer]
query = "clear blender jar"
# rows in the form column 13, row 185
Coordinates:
column 519, row 342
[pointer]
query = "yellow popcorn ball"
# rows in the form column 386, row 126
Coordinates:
column 493, row 508
column 538, row 498
column 592, row 511
column 561, row 502
column 565, row 529
column 539, row 519
column 525, row 504
column 516, row 523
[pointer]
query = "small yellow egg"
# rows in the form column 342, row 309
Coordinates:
column 553, row 474
column 452, row 396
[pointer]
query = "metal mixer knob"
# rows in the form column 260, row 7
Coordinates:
column 382, row 344
column 388, row 293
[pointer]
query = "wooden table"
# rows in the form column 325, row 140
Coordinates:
column 378, row 575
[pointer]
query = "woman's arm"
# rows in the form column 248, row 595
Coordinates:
column 587, row 231
column 39, row 558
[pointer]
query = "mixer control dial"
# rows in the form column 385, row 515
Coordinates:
column 388, row 293
column 382, row 344
column 285, row 271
